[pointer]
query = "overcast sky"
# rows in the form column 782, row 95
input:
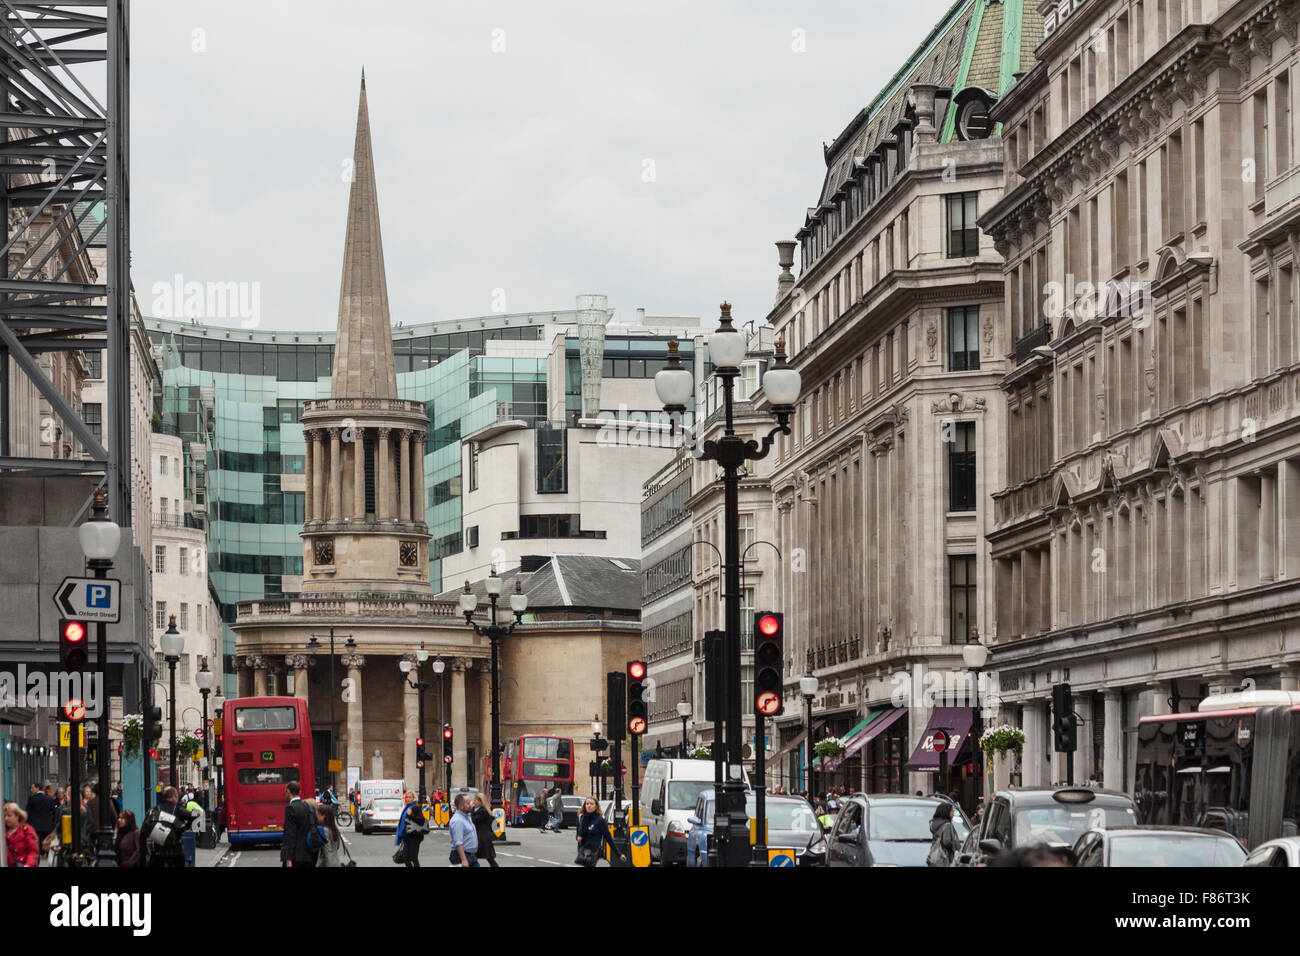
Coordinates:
column 651, row 151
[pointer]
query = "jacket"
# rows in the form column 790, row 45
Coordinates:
column 419, row 826
column 40, row 812
column 331, row 850
column 593, row 833
column 483, row 827
column 24, row 846
column 128, row 848
column 172, row 849
column 556, row 803
column 299, row 818
column 945, row 835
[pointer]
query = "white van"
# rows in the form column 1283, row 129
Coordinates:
column 379, row 804
column 668, row 793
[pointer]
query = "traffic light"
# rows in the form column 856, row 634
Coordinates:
column 1063, row 722
column 637, row 715
column 769, row 663
column 155, row 724
column 421, row 755
column 446, row 743
column 72, row 645
column 617, row 705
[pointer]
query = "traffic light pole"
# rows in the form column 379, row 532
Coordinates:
column 104, row 854
column 74, row 748
column 760, row 790
column 635, row 814
column 419, row 754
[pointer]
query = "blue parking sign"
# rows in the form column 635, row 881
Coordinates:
column 780, row 858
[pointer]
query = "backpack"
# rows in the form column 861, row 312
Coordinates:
column 317, row 838
column 166, row 834
column 938, row 856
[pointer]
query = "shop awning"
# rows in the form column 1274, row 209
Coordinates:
column 956, row 721
column 867, row 731
column 790, row 745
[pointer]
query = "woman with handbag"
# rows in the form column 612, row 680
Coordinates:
column 327, row 838
column 411, row 829
column 944, row 844
column 594, row 835
column 482, row 820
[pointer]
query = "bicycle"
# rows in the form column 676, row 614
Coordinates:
column 344, row 816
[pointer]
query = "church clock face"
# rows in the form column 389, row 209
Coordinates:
column 323, row 551
column 409, row 553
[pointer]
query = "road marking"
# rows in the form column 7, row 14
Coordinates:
column 234, row 858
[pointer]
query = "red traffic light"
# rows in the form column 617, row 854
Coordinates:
column 446, row 733
column 74, row 631
column 636, row 670
column 768, row 624
column 419, row 741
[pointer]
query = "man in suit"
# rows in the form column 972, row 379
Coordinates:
column 40, row 812
column 299, row 818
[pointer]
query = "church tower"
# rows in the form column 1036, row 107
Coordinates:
column 364, row 527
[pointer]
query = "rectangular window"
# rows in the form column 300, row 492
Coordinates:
column 1282, row 122
column 963, row 339
column 162, row 464
column 1260, row 104
column 160, row 614
column 552, row 467
column 747, row 621
column 160, row 559
column 961, row 467
column 185, row 616
column 746, row 534
column 92, row 413
column 963, row 611
column 184, row 560
column 95, row 362
column 162, row 509
column 471, row 536
column 963, row 234
column 183, row 671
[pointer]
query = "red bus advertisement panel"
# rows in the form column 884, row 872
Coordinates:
column 265, row 743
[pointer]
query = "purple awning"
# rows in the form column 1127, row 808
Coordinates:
column 870, row 733
column 956, row 721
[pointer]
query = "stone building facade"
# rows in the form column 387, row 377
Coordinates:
column 1146, row 541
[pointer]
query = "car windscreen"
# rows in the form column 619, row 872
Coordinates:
column 682, row 794
column 248, row 719
column 1065, row 823
column 1168, row 849
column 786, row 816
column 900, row 821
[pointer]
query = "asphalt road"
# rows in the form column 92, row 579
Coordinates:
column 376, row 849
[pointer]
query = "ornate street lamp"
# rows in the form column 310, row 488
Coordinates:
column 976, row 655
column 406, row 666
column 780, row 386
column 808, row 685
column 172, row 644
column 684, row 712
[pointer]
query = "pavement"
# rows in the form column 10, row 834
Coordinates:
column 534, row 849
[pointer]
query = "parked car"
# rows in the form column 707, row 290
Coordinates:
column 381, row 813
column 791, row 825
column 966, row 853
column 1284, row 851
column 1024, row 816
column 886, row 829
column 1158, row 846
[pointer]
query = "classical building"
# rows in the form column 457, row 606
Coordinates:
column 366, row 587
column 897, row 325
column 1146, row 538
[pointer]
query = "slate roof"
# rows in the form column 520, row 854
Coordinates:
column 579, row 581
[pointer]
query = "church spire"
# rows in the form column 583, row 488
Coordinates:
column 363, row 348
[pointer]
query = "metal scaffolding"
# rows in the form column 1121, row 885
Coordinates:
column 63, row 153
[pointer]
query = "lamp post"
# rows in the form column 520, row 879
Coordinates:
column 406, row 666
column 205, row 679
column 494, row 632
column 348, row 645
column 439, row 665
column 976, row 655
column 99, row 539
column 172, row 644
column 684, row 712
column 808, row 685
column 674, row 386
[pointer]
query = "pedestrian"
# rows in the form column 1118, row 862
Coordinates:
column 20, row 839
column 117, row 799
column 298, row 822
column 89, row 816
column 944, row 836
column 161, row 831
column 327, row 796
column 594, row 835
column 482, row 819
column 411, row 828
column 541, row 805
column 326, row 838
column 556, row 806
column 41, row 812
column 126, row 842
column 196, row 811
column 464, row 838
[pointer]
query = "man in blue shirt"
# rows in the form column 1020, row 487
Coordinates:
column 464, row 838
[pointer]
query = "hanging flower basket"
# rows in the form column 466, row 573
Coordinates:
column 1002, row 739
column 702, row 753
column 187, row 747
column 832, row 748
column 132, row 734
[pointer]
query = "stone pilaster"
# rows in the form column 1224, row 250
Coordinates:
column 316, row 450
column 1112, row 764
column 299, row 664
column 384, row 477
column 417, row 470
column 336, row 476
column 258, row 664
column 359, row 475
column 309, row 476
column 460, row 772
column 484, row 671
column 352, row 697
column 404, row 453
column 1083, row 765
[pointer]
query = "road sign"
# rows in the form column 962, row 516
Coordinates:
column 75, row 710
column 939, row 743
column 65, row 735
column 640, row 840
column 768, row 703
column 498, row 822
column 216, row 726
column 336, row 766
column 90, row 599
column 780, row 857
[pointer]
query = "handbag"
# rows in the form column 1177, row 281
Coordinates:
column 586, row 856
column 350, row 862
column 400, row 856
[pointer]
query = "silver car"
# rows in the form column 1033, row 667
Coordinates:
column 382, row 813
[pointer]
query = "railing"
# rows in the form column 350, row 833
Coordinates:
column 361, row 404
column 1035, row 339
column 841, row 652
column 1282, row 191
column 162, row 428
column 395, row 605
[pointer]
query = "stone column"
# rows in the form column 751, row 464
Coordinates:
column 310, row 474
column 417, row 472
column 410, row 730
column 1112, row 763
column 1035, row 771
column 1083, row 767
column 336, row 476
column 485, row 710
column 359, row 474
column 299, row 664
column 259, row 675
column 459, row 770
column 1290, row 679
column 404, row 444
column 316, row 451
column 383, row 477
column 356, row 752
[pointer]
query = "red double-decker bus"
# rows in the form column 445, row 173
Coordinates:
column 265, row 743
column 530, row 764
